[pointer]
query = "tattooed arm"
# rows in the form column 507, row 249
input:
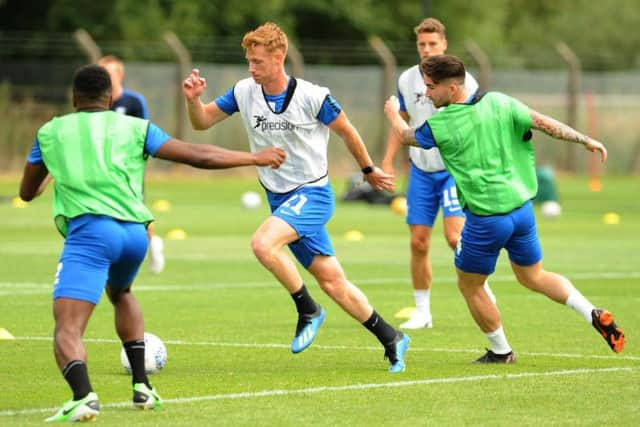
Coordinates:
column 559, row 130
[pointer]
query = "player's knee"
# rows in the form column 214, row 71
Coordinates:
column 531, row 281
column 66, row 336
column 524, row 281
column 264, row 250
column 333, row 285
column 452, row 240
column 420, row 245
column 331, row 280
column 66, row 331
column 261, row 249
column 116, row 295
column 464, row 288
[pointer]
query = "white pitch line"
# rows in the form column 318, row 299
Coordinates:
column 345, row 347
column 27, row 288
column 350, row 387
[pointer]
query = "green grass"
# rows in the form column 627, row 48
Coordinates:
column 227, row 324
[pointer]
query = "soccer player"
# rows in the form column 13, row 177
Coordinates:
column 125, row 101
column 283, row 111
column 430, row 185
column 132, row 103
column 97, row 159
column 485, row 142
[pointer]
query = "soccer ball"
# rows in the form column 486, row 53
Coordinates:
column 550, row 209
column 155, row 355
column 251, row 200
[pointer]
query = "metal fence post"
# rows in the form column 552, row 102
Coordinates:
column 88, row 45
column 573, row 92
column 387, row 88
column 184, row 68
column 482, row 61
column 296, row 60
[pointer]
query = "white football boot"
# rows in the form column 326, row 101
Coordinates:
column 418, row 320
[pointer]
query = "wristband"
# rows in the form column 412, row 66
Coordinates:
column 367, row 170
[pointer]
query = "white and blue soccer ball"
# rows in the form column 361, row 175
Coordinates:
column 251, row 200
column 155, row 355
column 551, row 209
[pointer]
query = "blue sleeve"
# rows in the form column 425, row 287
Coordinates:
column 227, row 102
column 403, row 107
column 35, row 157
column 156, row 137
column 329, row 111
column 143, row 107
column 134, row 104
column 424, row 137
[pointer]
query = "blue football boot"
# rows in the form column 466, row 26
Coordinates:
column 307, row 329
column 395, row 352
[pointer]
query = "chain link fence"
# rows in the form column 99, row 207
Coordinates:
column 34, row 90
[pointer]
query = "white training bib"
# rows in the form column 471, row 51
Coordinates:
column 296, row 129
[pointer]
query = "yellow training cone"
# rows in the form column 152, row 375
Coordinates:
column 161, row 205
column 5, row 335
column 353, row 236
column 611, row 218
column 399, row 205
column 405, row 313
column 17, row 202
column 176, row 234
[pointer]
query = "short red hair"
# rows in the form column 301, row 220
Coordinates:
column 268, row 35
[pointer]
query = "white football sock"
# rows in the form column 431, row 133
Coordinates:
column 423, row 300
column 580, row 304
column 498, row 341
column 156, row 254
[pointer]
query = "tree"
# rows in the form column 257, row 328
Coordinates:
column 603, row 34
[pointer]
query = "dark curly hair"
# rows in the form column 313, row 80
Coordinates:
column 92, row 82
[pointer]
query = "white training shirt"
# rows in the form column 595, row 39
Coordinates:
column 412, row 88
column 296, row 129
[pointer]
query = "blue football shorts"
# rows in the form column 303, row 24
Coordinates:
column 99, row 250
column 484, row 236
column 307, row 210
column 427, row 192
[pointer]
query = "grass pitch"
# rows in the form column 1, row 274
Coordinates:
column 227, row 324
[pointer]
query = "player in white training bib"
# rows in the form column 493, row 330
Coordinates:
column 296, row 115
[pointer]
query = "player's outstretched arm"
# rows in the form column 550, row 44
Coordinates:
column 202, row 116
column 559, row 130
column 393, row 145
column 376, row 178
column 206, row 156
column 403, row 132
column 35, row 178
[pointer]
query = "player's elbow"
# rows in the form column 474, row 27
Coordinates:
column 203, row 121
column 205, row 163
column 398, row 134
column 198, row 125
column 197, row 121
column 197, row 160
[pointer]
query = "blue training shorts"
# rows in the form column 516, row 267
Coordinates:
column 484, row 236
column 307, row 210
column 427, row 192
column 99, row 250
